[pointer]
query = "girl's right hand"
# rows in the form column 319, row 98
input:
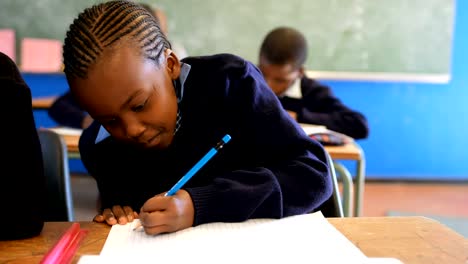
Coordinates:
column 116, row 215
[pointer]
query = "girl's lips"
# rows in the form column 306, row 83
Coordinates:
column 153, row 140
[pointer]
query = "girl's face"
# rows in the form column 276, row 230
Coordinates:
column 133, row 99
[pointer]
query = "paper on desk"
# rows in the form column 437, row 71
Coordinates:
column 383, row 261
column 295, row 238
column 315, row 129
column 312, row 129
column 67, row 131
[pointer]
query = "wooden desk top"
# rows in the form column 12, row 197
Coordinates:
column 410, row 239
column 346, row 152
column 72, row 143
column 43, row 102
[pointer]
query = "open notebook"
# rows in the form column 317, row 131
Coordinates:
column 325, row 135
column 309, row 238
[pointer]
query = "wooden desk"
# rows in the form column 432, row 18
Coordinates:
column 72, row 144
column 43, row 102
column 410, row 239
column 346, row 152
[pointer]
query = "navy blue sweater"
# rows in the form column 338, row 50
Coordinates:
column 319, row 106
column 23, row 187
column 66, row 111
column 270, row 168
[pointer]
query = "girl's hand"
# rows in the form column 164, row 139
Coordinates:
column 164, row 214
column 116, row 215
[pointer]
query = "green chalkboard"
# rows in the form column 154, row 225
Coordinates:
column 390, row 36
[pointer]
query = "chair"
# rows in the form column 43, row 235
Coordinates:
column 347, row 182
column 58, row 182
column 333, row 206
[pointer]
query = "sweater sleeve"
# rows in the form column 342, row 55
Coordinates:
column 66, row 111
column 321, row 107
column 288, row 174
column 110, row 179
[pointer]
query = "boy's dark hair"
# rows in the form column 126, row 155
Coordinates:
column 102, row 26
column 284, row 45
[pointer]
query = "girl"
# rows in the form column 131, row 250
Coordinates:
column 156, row 116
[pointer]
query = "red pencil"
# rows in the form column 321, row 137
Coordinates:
column 68, row 240
column 69, row 252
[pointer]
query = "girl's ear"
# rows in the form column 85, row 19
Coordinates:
column 172, row 64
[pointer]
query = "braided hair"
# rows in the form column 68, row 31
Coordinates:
column 102, row 26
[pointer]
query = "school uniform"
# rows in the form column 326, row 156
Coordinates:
column 314, row 103
column 23, row 187
column 270, row 168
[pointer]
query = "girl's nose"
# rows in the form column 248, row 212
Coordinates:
column 134, row 130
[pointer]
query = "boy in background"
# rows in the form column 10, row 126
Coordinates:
column 282, row 57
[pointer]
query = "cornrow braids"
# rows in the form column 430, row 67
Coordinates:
column 103, row 25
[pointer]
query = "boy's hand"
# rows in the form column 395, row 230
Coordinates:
column 164, row 214
column 116, row 215
column 87, row 121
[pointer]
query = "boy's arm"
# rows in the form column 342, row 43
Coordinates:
column 66, row 112
column 321, row 107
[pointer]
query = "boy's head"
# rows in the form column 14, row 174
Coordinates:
column 121, row 69
column 282, row 55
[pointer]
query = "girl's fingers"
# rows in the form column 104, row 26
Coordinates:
column 109, row 216
column 129, row 213
column 154, row 230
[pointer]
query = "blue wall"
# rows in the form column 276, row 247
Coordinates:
column 418, row 131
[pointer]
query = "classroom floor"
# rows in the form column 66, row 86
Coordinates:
column 443, row 199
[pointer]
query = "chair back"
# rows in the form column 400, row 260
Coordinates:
column 58, row 183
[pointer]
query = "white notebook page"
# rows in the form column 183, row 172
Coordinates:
column 295, row 238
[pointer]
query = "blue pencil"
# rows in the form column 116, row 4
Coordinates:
column 195, row 169
column 198, row 166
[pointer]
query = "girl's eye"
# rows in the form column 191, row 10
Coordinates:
column 140, row 107
column 109, row 122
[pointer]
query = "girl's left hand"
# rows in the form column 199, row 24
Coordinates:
column 165, row 214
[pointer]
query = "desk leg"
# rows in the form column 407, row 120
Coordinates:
column 359, row 187
column 347, row 182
